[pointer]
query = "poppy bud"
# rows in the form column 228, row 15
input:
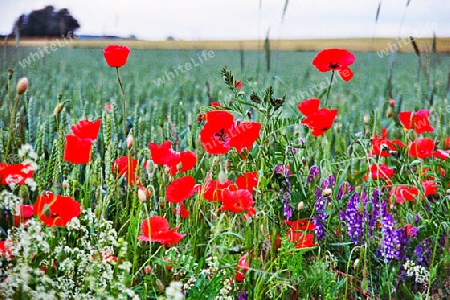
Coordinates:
column 65, row 184
column 22, row 85
column 366, row 119
column 392, row 102
column 150, row 168
column 369, row 207
column 129, row 141
column 60, row 106
column 356, row 263
column 58, row 109
column 10, row 73
column 142, row 195
column 389, row 112
column 326, row 192
column 148, row 270
column 108, row 107
column 222, row 177
column 301, row 205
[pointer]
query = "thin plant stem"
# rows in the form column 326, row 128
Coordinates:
column 11, row 128
column 124, row 104
column 329, row 88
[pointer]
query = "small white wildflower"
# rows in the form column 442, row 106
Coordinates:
column 174, row 291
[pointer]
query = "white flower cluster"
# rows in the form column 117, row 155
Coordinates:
column 76, row 262
column 227, row 288
column 174, row 291
column 9, row 201
column 420, row 273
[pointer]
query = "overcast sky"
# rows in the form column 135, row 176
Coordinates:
column 243, row 19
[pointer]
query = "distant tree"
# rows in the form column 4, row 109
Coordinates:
column 46, row 22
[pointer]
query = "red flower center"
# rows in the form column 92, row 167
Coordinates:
column 334, row 65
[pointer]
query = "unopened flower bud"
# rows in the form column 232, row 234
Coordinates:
column 326, row 192
column 356, row 263
column 10, row 73
column 392, row 102
column 150, row 168
column 222, row 177
column 22, row 85
column 142, row 195
column 366, row 119
column 129, row 141
column 65, row 184
column 389, row 112
column 148, row 270
column 301, row 205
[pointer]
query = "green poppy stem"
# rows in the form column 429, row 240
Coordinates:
column 124, row 104
column 329, row 87
column 11, row 128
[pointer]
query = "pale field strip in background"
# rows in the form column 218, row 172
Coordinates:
column 351, row 44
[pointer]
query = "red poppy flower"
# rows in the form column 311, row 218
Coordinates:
column 56, row 210
column 421, row 148
column 441, row 154
column 336, row 60
column 116, row 55
column 126, row 165
column 213, row 189
column 418, row 121
column 301, row 225
column 215, row 133
column 382, row 146
column 238, row 201
column 182, row 211
column 180, row 189
column 243, row 136
column 247, row 181
column 156, row 229
column 23, row 213
column 187, row 161
column 403, row 193
column 429, row 187
column 76, row 150
column 163, row 155
column 309, row 107
column 15, row 173
column 320, row 121
column 447, row 142
column 381, row 171
column 242, row 267
column 78, row 145
column 86, row 129
column 4, row 250
column 302, row 240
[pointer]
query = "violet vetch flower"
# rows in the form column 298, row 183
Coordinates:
column 314, row 171
column 283, row 178
column 320, row 216
column 344, row 189
column 361, row 214
column 243, row 295
column 390, row 242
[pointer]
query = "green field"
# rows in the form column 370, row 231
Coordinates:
column 164, row 102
